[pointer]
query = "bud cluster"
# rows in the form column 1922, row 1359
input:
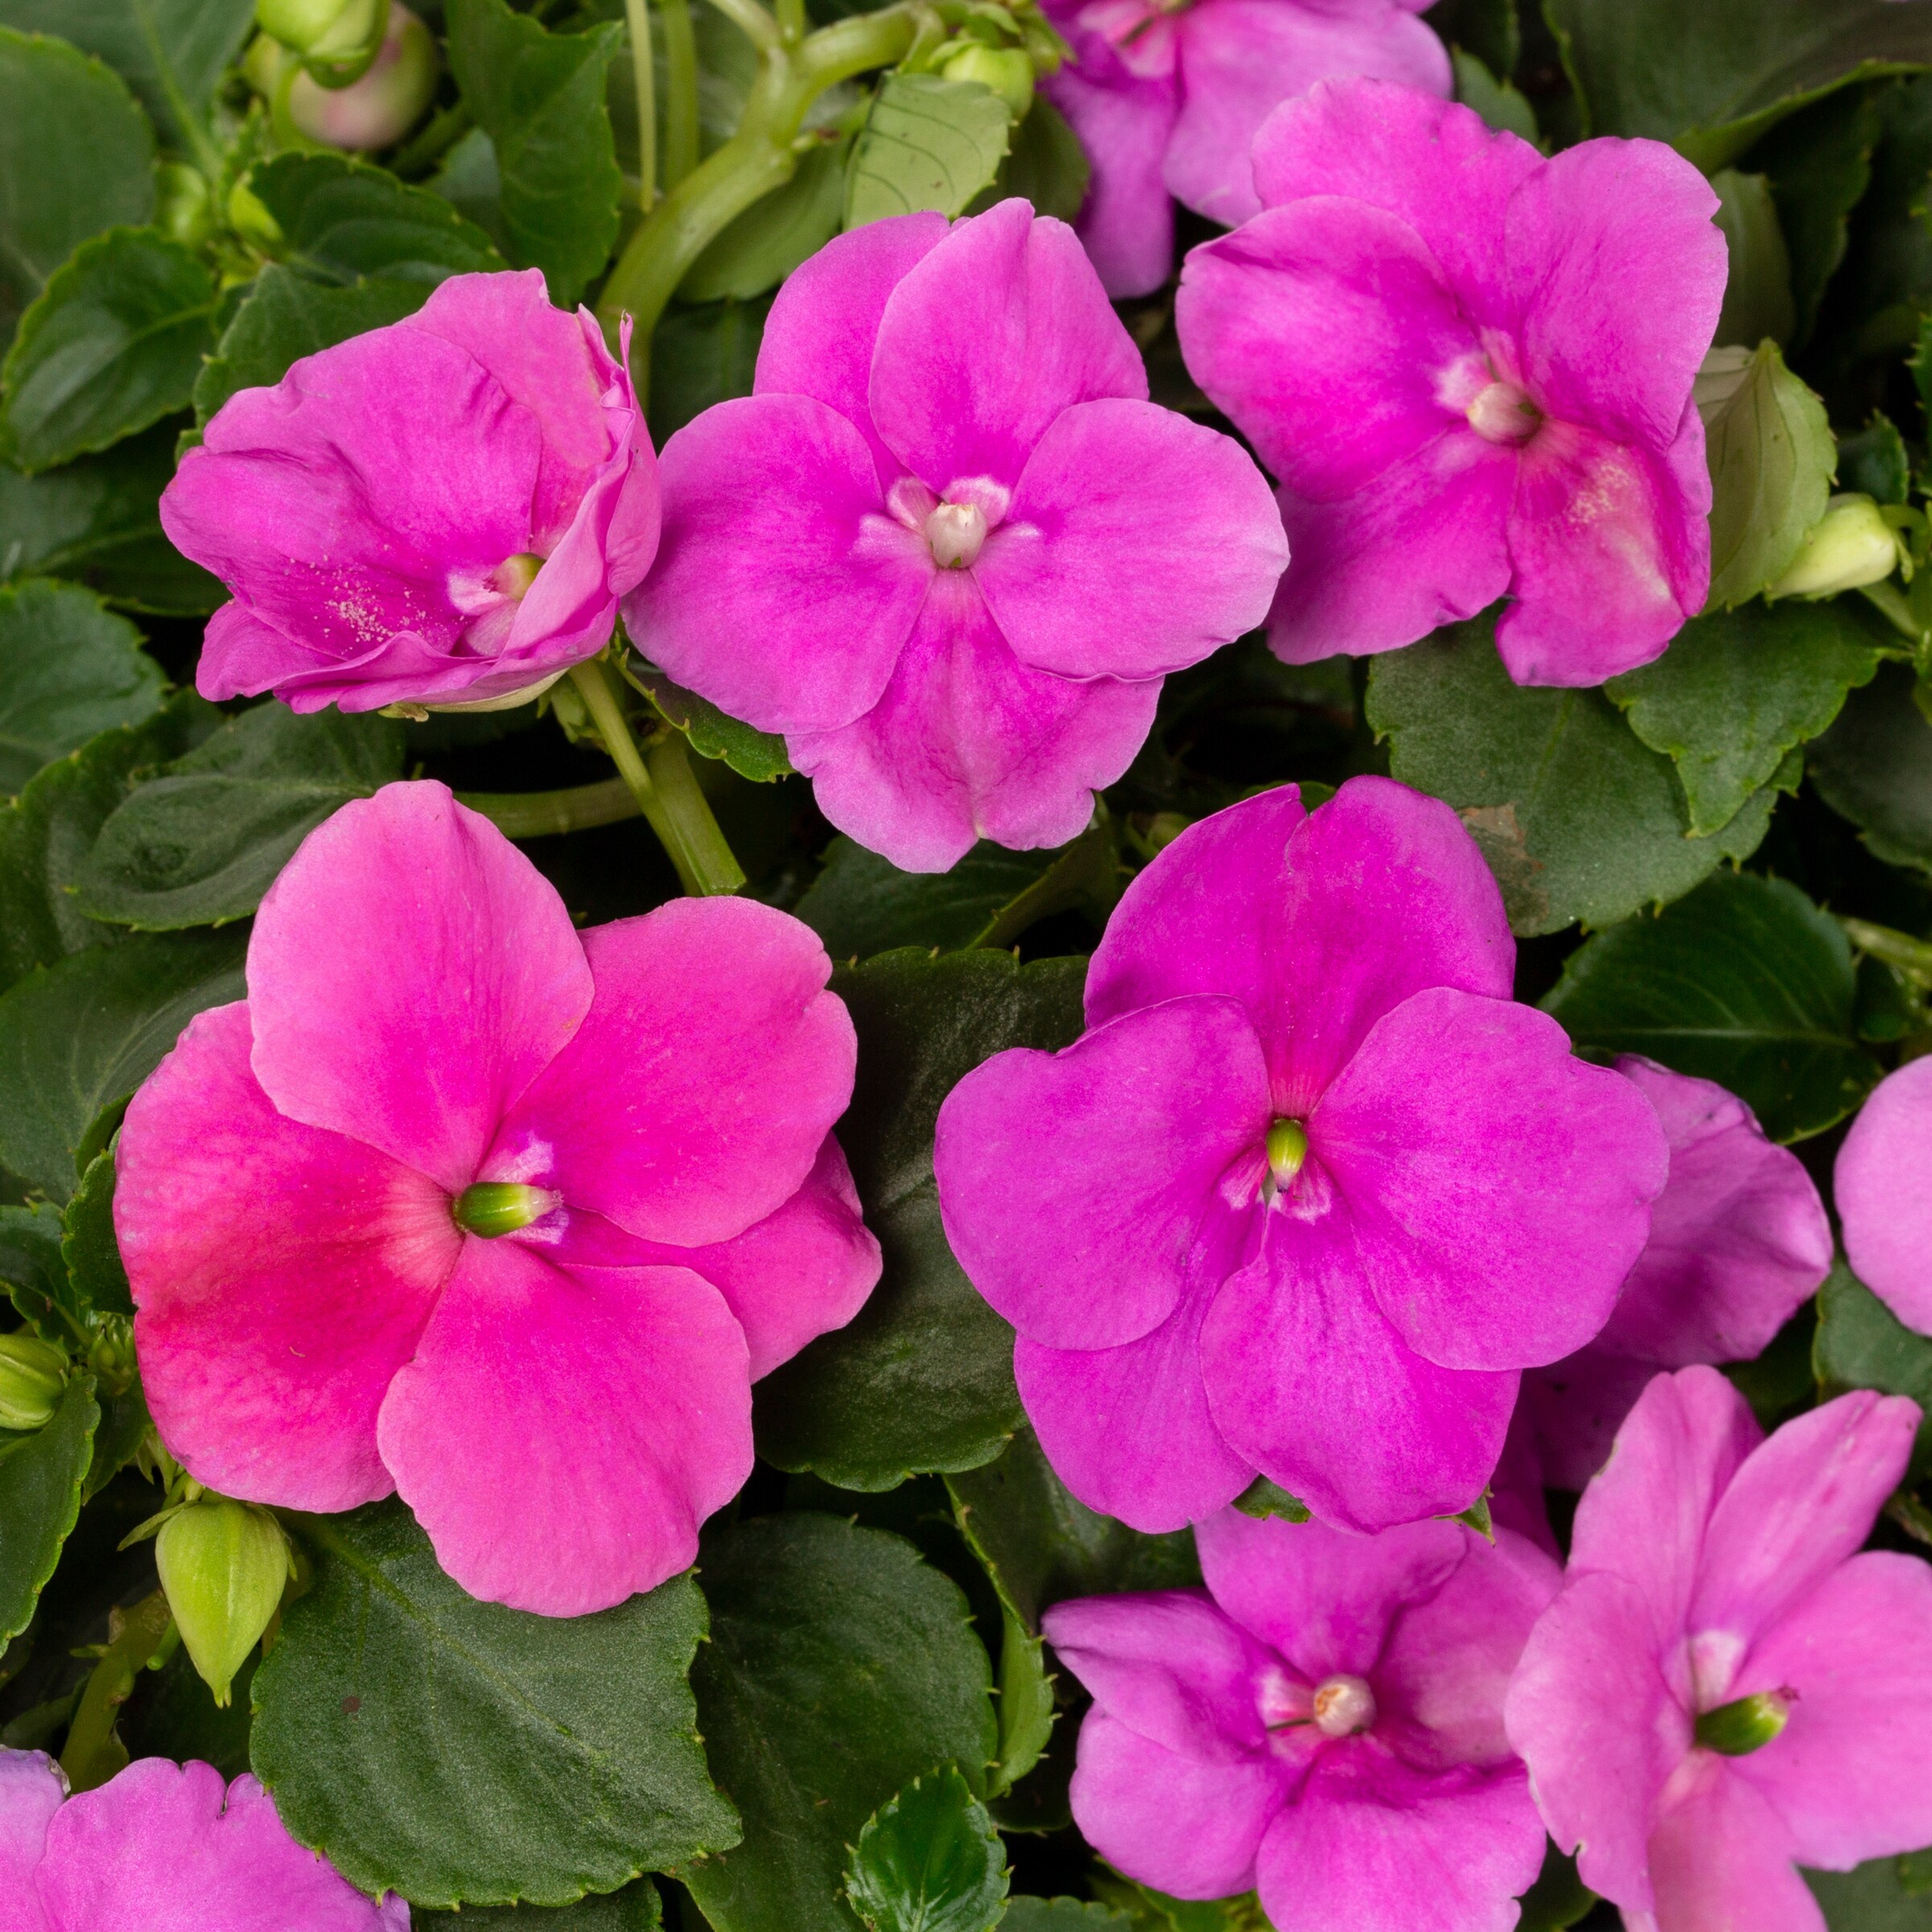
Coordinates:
column 1003, row 47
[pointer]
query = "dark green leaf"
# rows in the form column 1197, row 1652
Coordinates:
column 929, row 1860
column 1874, row 462
column 756, row 755
column 460, row 1752
column 1874, row 767
column 114, row 343
column 1871, row 1898
column 1045, row 165
column 1027, row 1707
column 1860, row 1343
column 76, row 155
column 1062, row 1915
column 927, row 144
column 922, row 1379
column 1746, row 983
column 840, row 1667
column 1557, row 1899
column 469, row 181
column 702, row 355
column 177, row 1716
column 125, row 1422
column 540, row 97
column 79, row 1037
column 1499, row 105
column 40, row 1479
column 1712, row 78
column 1489, row 29
column 1738, row 689
column 1819, row 163
column 98, row 1280
column 1757, row 289
column 766, row 243
column 635, row 1908
column 35, row 1271
column 202, row 840
column 1262, row 1499
column 69, row 668
column 1577, row 819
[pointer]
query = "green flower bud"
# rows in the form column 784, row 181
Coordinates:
column 1851, row 544
column 1747, row 1724
column 184, row 208
column 336, row 39
column 32, row 1374
column 384, row 103
column 224, row 1565
column 1006, row 70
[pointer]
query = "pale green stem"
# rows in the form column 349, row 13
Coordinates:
column 636, row 16
column 537, row 815
column 752, row 21
column 92, row 1755
column 1912, row 957
column 680, row 100
column 792, row 23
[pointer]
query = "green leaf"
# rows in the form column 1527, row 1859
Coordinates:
column 76, row 155
column 1577, row 819
column 1262, row 1499
column 929, row 1860
column 1062, row 1915
column 766, row 243
column 40, row 1479
column 1860, row 1343
column 1711, row 79
column 702, row 355
column 114, row 343
column 98, row 1280
column 125, row 1422
column 1819, row 164
column 1499, row 105
column 1757, row 289
column 1871, row 1897
column 1045, row 165
column 35, row 1271
column 840, row 1666
column 1557, row 1899
column 1874, row 462
column 635, row 1908
column 1489, row 29
column 1737, row 690
column 922, row 1378
column 1745, row 982
column 1026, row 1709
column 756, row 755
column 203, row 839
column 469, row 181
column 79, row 1037
column 1769, row 448
column 1874, row 767
column 540, row 97
column 460, row 1752
column 69, row 668
column 927, row 144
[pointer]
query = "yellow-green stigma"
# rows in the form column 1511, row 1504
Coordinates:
column 1287, row 1149
column 1745, row 1725
column 494, row 1208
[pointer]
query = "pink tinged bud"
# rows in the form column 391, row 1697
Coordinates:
column 1501, row 412
column 1746, row 1724
column 957, row 533
column 493, row 1207
column 382, row 106
column 1343, row 1706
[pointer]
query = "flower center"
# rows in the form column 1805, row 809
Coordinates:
column 493, row 1207
column 1287, row 1149
column 513, row 577
column 1503, row 413
column 1343, row 1706
column 1746, row 1724
column 957, row 533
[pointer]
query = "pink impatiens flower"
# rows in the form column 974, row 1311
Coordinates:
column 1725, row 1689
column 164, row 1847
column 1311, row 1191
column 1738, row 1240
column 1166, row 97
column 947, row 547
column 444, row 511
column 1882, row 1183
column 1470, row 368
column 462, row 1202
column 1326, row 1720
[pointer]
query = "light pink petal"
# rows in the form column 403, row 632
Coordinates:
column 1310, row 1382
column 562, row 1432
column 1799, row 1506
column 1882, row 1183
column 1850, row 1773
column 969, row 743
column 410, row 974
column 1611, row 553
column 1619, row 274
column 1169, row 1665
column 1189, row 1830
column 1738, row 1238
column 1126, row 224
column 1138, row 543
column 998, row 329
column 165, row 1848
column 782, row 591
column 1240, row 58
column 1375, row 1848
column 694, row 1098
column 1500, row 1186
column 282, row 1275
column 1324, row 1598
column 31, row 1788
column 1570, row 1412
column 1721, row 1860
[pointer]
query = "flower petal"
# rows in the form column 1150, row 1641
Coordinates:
column 1883, row 1183
column 282, row 1275
column 1126, row 223
column 31, row 1789
column 1720, row 1858
column 410, row 974
column 1571, row 1410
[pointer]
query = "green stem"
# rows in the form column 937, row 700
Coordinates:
column 669, row 763
column 681, row 818
column 680, row 102
column 93, row 1754
column 752, row 21
column 637, row 15
column 538, row 815
column 792, row 24
column 1912, row 957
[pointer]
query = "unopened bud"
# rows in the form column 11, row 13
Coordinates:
column 1006, row 70
column 334, row 37
column 1851, row 544
column 1746, row 1724
column 32, row 1374
column 224, row 1565
column 384, row 104
column 184, row 208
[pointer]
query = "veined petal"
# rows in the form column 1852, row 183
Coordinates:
column 1883, row 1183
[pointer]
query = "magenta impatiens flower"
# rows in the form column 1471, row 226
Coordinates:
column 1312, row 1189
column 164, row 1847
column 444, row 511
column 1166, row 100
column 1883, row 1184
column 1470, row 369
column 947, row 547
column 462, row 1202
column 1739, row 1239
column 1725, row 1689
column 1325, row 1721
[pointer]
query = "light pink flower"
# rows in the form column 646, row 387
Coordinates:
column 947, row 547
column 1725, row 1690
column 305, row 1187
column 1882, row 1183
column 1325, row 1721
column 1311, row 1191
column 1470, row 369
column 1166, row 100
column 1739, row 1239
column 444, row 511
column 164, row 1848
